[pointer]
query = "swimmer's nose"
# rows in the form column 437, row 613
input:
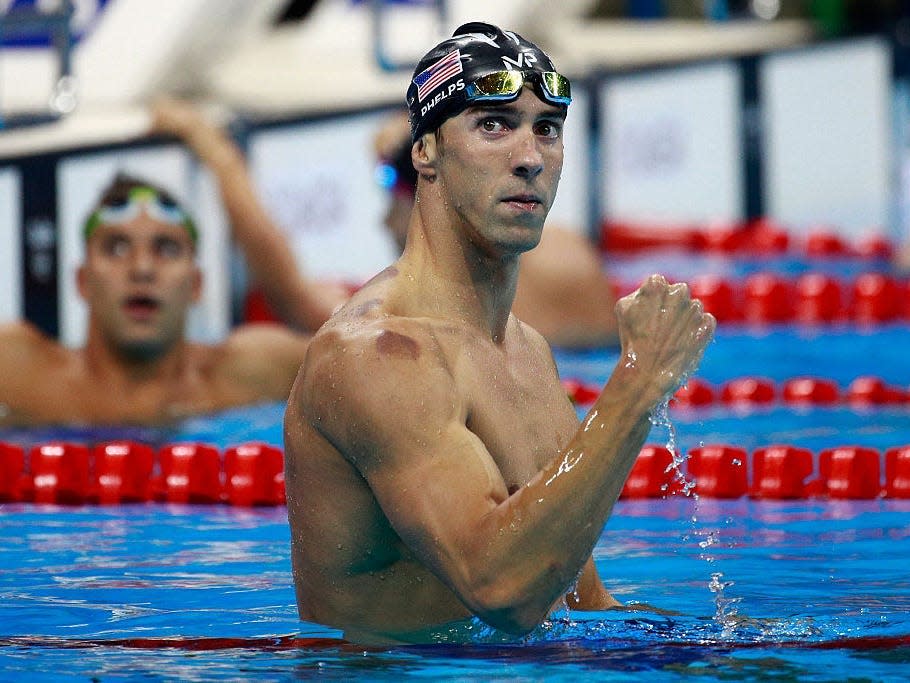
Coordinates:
column 142, row 264
column 527, row 160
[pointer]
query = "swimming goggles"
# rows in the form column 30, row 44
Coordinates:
column 140, row 199
column 505, row 86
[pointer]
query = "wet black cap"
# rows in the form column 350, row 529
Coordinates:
column 437, row 90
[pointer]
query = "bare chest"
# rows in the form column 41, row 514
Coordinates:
column 72, row 397
column 519, row 410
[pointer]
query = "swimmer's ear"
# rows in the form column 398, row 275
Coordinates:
column 424, row 153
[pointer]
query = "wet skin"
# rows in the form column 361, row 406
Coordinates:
column 139, row 280
column 435, row 468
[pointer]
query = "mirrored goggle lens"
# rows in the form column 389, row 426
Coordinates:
column 556, row 86
column 497, row 85
column 504, row 85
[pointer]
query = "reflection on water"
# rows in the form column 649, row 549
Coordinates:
column 196, row 593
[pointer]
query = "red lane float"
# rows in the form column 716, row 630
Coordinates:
column 850, row 472
column 580, row 393
column 867, row 390
column 59, row 473
column 819, row 299
column 719, row 471
column 823, row 243
column 653, row 475
column 746, row 392
column 760, row 236
column 897, row 472
column 876, row 299
column 781, row 472
column 767, row 298
column 716, row 295
column 129, row 472
column 254, row 475
column 123, row 472
column 190, row 473
column 810, row 391
column 12, row 468
column 812, row 299
column 694, row 393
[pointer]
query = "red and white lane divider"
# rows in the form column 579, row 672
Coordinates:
column 762, row 237
column 812, row 299
column 746, row 392
column 111, row 473
column 777, row 472
column 131, row 472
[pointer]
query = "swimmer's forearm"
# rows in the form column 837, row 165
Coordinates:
column 538, row 540
column 269, row 257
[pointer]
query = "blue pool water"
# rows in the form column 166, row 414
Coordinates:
column 805, row 590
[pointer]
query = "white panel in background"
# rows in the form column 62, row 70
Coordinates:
column 670, row 145
column 11, row 241
column 570, row 210
column 826, row 120
column 80, row 181
column 139, row 48
column 318, row 181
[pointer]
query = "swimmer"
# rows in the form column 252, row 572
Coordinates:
column 435, row 469
column 139, row 279
column 563, row 291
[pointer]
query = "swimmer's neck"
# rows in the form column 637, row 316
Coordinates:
column 455, row 277
column 104, row 361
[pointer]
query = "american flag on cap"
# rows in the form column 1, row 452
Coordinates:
column 437, row 73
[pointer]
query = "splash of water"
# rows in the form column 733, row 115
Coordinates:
column 725, row 612
column 661, row 418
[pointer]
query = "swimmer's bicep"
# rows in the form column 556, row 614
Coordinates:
column 438, row 497
column 376, row 408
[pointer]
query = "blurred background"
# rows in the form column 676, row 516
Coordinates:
column 706, row 115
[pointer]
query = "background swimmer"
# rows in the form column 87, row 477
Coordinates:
column 139, row 279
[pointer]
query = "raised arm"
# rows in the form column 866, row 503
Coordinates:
column 298, row 300
column 508, row 558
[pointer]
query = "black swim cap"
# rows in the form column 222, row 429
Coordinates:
column 438, row 89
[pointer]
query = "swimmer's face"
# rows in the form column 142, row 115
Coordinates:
column 499, row 168
column 139, row 280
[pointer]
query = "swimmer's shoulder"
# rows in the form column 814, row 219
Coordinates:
column 22, row 344
column 350, row 354
column 262, row 357
column 363, row 383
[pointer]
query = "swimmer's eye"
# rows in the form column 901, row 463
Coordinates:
column 116, row 246
column 549, row 129
column 167, row 247
column 493, row 125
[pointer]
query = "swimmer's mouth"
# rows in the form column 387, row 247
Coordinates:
column 142, row 306
column 529, row 202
